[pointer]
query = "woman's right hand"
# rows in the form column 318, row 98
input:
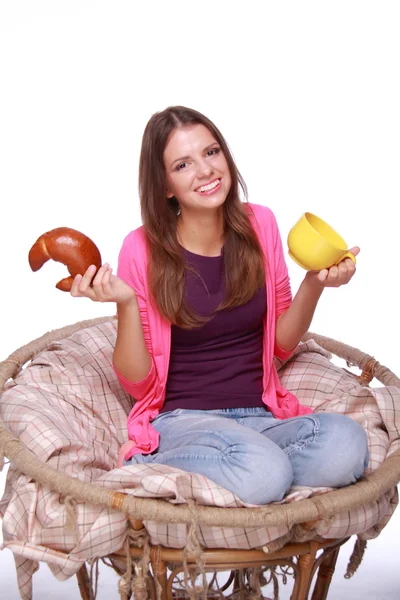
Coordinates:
column 105, row 287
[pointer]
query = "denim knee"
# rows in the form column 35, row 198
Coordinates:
column 343, row 445
column 355, row 454
column 264, row 483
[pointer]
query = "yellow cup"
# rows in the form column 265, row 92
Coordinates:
column 315, row 245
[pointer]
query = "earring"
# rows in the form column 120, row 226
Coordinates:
column 178, row 211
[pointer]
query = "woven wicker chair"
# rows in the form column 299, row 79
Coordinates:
column 175, row 574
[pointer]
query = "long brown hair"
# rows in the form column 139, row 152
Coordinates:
column 244, row 268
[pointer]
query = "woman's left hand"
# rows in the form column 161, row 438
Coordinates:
column 338, row 274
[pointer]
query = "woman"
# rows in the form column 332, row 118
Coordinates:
column 204, row 303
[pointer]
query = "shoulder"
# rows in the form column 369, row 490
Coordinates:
column 135, row 239
column 134, row 246
column 261, row 215
column 132, row 260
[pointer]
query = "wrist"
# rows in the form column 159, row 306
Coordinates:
column 312, row 284
column 128, row 304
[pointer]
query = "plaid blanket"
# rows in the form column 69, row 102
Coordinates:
column 69, row 409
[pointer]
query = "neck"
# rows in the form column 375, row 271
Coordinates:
column 201, row 234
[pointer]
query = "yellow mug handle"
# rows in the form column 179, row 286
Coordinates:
column 347, row 255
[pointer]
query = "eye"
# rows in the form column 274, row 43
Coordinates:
column 181, row 166
column 213, row 151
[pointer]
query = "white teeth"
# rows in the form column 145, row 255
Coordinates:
column 210, row 186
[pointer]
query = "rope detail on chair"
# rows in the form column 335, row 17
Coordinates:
column 135, row 579
column 356, row 557
column 94, row 577
column 70, row 507
column 193, row 545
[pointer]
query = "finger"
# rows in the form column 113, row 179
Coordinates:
column 355, row 250
column 75, row 286
column 322, row 275
column 351, row 268
column 333, row 273
column 87, row 277
column 349, row 263
column 98, row 279
column 344, row 271
column 80, row 289
column 107, row 277
column 347, row 268
column 84, row 288
column 106, row 289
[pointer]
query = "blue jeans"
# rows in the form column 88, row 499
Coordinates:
column 258, row 457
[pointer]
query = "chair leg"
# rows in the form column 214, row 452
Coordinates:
column 84, row 583
column 160, row 574
column 325, row 573
column 304, row 576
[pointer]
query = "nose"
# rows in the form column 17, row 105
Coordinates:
column 204, row 168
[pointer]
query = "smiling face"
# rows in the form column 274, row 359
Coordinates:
column 197, row 173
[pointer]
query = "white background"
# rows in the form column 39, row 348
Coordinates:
column 307, row 95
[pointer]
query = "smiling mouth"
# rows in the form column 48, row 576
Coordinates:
column 209, row 186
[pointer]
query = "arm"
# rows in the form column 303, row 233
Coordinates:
column 131, row 358
column 295, row 321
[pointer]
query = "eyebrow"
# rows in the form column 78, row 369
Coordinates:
column 183, row 158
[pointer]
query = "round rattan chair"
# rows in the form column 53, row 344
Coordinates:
column 149, row 571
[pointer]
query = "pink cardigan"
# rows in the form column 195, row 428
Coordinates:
column 150, row 392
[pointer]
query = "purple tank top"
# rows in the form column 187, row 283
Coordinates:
column 220, row 364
